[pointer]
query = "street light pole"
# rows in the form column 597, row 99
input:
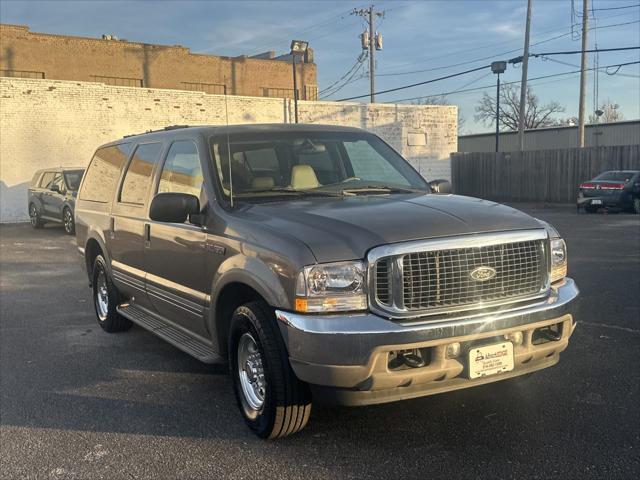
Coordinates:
column 295, row 88
column 298, row 48
column 498, row 68
column 498, row 114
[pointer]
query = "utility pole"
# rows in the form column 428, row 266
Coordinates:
column 583, row 72
column 523, row 84
column 372, row 42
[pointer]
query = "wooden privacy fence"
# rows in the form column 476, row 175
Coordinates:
column 536, row 176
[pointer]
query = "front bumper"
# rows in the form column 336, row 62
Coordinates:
column 345, row 357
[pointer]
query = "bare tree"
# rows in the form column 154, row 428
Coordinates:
column 610, row 113
column 536, row 115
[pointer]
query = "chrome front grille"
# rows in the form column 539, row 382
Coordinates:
column 456, row 274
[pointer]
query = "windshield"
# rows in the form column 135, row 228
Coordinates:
column 72, row 178
column 311, row 163
column 616, row 176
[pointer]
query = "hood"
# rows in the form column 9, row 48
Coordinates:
column 346, row 228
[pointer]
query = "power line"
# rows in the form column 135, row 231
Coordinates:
column 419, row 83
column 571, row 52
column 615, row 8
column 540, row 42
column 475, row 89
column 444, row 67
column 514, row 60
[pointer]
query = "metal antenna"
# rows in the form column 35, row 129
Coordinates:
column 226, row 109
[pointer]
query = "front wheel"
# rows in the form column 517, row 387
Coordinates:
column 273, row 402
column 67, row 221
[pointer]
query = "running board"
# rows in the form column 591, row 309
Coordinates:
column 176, row 337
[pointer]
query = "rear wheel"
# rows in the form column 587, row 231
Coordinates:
column 636, row 205
column 106, row 298
column 273, row 402
column 590, row 209
column 67, row 221
column 34, row 217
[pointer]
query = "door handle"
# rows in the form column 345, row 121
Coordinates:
column 147, row 235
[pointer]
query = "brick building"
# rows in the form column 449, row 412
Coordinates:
column 117, row 62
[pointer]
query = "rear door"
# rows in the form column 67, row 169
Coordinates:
column 44, row 191
column 129, row 222
column 175, row 253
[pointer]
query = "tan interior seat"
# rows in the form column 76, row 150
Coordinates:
column 303, row 177
column 262, row 182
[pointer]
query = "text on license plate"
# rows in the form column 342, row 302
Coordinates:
column 596, row 202
column 490, row 359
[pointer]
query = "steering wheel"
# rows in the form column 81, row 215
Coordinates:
column 350, row 179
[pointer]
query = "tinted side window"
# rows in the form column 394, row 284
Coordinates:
column 102, row 175
column 135, row 185
column 47, row 179
column 182, row 172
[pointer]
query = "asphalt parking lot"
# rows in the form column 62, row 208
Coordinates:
column 78, row 403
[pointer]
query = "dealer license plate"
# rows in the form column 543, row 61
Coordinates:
column 490, row 359
column 596, row 202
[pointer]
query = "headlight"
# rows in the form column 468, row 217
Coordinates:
column 331, row 287
column 558, row 259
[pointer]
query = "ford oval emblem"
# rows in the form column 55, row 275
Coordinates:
column 482, row 274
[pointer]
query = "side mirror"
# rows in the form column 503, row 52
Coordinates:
column 173, row 207
column 440, row 186
column 55, row 188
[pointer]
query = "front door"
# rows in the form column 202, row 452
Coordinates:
column 175, row 254
column 130, row 224
column 55, row 199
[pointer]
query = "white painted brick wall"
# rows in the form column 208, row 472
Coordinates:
column 47, row 123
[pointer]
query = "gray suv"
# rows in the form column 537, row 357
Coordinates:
column 318, row 264
column 52, row 195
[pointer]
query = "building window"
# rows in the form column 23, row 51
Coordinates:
column 118, row 81
column 214, row 88
column 279, row 92
column 21, row 74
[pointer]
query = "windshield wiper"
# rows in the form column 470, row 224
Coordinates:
column 379, row 189
column 291, row 191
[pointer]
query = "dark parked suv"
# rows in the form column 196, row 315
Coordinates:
column 52, row 197
column 319, row 264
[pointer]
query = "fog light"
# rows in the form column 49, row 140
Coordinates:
column 515, row 338
column 453, row 350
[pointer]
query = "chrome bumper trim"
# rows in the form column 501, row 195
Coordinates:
column 349, row 340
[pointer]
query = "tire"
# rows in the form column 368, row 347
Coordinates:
column 273, row 402
column 590, row 209
column 106, row 298
column 636, row 205
column 68, row 221
column 34, row 217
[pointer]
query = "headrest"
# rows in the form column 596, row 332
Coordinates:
column 303, row 177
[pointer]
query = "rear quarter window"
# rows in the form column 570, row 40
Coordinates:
column 101, row 178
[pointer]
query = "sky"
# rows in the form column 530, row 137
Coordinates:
column 422, row 40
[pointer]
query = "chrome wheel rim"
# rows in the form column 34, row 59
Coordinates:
column 251, row 372
column 33, row 215
column 102, row 295
column 68, row 221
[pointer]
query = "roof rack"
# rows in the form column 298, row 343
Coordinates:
column 169, row 127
